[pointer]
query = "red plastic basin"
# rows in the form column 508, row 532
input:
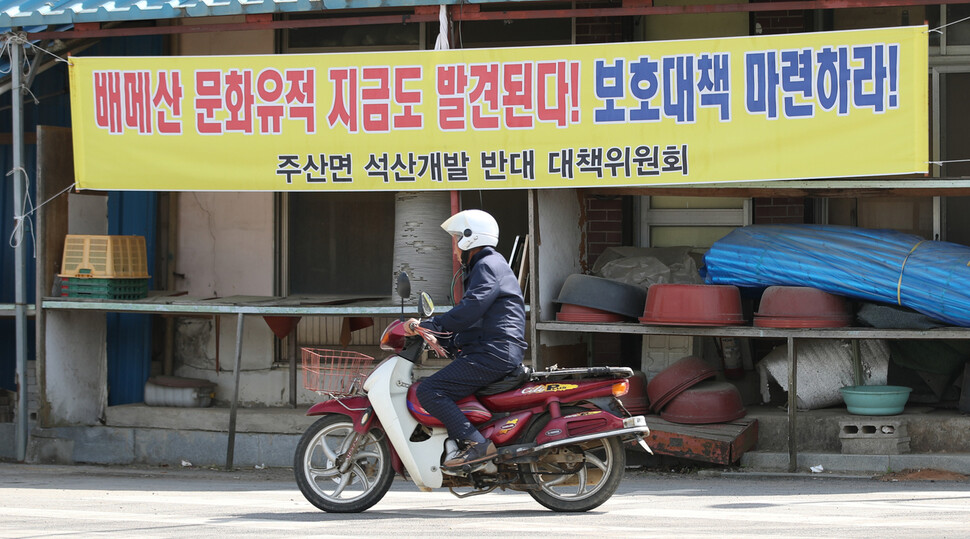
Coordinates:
column 680, row 375
column 706, row 402
column 801, row 307
column 578, row 313
column 693, row 305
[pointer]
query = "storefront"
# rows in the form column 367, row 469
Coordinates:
column 216, row 241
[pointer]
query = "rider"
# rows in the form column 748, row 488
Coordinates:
column 488, row 327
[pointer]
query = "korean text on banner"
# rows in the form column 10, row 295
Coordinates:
column 796, row 106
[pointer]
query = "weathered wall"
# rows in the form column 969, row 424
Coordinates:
column 226, row 248
column 560, row 238
column 77, row 366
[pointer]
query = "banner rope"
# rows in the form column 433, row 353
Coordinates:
column 17, row 234
column 948, row 161
column 938, row 28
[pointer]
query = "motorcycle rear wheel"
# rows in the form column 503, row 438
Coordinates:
column 567, row 486
column 317, row 466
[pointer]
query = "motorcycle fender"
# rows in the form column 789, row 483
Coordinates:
column 356, row 408
column 359, row 410
column 586, row 422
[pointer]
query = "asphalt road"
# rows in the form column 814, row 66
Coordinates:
column 53, row 501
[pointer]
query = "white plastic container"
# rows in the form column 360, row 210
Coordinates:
column 182, row 392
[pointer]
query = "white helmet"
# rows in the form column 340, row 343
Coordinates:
column 472, row 228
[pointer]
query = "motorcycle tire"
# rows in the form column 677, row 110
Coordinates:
column 317, row 459
column 564, row 485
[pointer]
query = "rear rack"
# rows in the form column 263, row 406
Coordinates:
column 586, row 372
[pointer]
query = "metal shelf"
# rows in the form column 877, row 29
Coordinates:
column 791, row 335
column 756, row 332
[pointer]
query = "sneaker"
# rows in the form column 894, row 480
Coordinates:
column 473, row 453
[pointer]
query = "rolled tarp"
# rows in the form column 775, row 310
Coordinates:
column 885, row 266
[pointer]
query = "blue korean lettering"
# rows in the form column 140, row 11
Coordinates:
column 644, row 86
column 893, row 74
column 797, row 83
column 714, row 84
column 871, row 74
column 832, row 79
column 761, row 83
column 608, row 87
column 678, row 98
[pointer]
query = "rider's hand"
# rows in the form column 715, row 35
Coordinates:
column 410, row 325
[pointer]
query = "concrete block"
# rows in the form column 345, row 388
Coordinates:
column 874, row 436
column 8, row 441
column 875, row 446
column 102, row 445
column 49, row 450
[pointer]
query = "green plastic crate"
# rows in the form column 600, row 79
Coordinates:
column 104, row 288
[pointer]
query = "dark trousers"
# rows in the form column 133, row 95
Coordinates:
column 457, row 380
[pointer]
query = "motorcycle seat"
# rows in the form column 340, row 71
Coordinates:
column 512, row 380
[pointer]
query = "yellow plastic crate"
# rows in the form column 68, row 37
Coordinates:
column 104, row 257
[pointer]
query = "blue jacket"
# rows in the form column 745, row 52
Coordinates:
column 490, row 318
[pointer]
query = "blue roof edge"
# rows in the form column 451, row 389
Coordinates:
column 33, row 13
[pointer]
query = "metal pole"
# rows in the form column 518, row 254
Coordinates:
column 792, row 404
column 235, row 394
column 20, row 261
column 293, row 351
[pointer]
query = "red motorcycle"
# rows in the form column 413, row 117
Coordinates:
column 560, row 434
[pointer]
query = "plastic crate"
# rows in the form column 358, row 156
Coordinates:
column 74, row 287
column 104, row 257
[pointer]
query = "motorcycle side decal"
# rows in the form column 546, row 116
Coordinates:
column 553, row 432
column 508, row 426
column 548, row 388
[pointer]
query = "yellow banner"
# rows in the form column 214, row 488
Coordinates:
column 796, row 106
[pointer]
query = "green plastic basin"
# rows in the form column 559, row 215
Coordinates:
column 875, row 400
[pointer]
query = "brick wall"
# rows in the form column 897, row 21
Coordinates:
column 786, row 21
column 604, row 225
column 768, row 211
column 601, row 29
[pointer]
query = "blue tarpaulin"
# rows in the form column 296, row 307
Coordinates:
column 886, row 266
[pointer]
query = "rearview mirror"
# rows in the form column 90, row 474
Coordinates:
column 403, row 285
column 426, row 305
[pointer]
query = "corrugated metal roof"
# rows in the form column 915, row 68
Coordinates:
column 23, row 13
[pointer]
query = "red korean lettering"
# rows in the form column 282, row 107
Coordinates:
column 344, row 107
column 239, row 101
column 451, row 83
column 169, row 93
column 137, row 96
column 269, row 112
column 300, row 97
column 518, row 95
column 376, row 99
column 208, row 100
column 107, row 101
column 562, row 106
column 484, row 97
column 407, row 99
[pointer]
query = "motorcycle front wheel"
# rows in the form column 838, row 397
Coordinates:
column 320, row 456
column 575, row 478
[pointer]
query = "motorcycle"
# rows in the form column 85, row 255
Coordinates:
column 560, row 433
